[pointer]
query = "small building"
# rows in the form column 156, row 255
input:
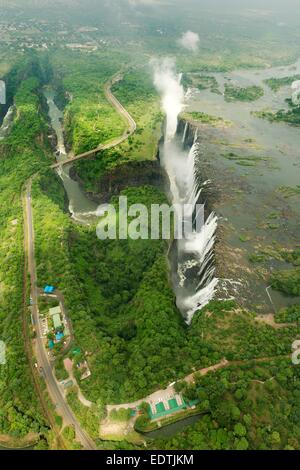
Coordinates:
column 49, row 289
column 59, row 336
column 68, row 384
column 55, row 311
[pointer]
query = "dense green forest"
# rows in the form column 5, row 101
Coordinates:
column 253, row 406
column 123, row 309
column 136, row 92
column 118, row 293
column 89, row 119
column 21, row 155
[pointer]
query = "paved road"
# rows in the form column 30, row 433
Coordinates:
column 55, row 393
column 122, row 111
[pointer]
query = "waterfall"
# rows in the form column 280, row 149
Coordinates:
column 200, row 299
column 185, row 132
column 7, row 122
column 195, row 251
column 198, row 246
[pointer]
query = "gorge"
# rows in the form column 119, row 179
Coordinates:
column 193, row 276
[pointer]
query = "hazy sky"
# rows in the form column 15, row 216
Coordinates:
column 220, row 4
column 172, row 12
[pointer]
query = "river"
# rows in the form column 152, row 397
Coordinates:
column 254, row 215
column 82, row 208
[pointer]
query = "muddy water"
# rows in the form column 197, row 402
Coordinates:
column 254, row 213
column 81, row 207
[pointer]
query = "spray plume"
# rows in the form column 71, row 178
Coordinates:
column 167, row 83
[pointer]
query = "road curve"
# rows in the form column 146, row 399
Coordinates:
column 119, row 140
column 55, row 393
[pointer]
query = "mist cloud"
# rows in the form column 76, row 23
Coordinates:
column 190, row 41
column 167, row 83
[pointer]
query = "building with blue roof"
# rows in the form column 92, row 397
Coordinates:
column 49, row 289
column 59, row 336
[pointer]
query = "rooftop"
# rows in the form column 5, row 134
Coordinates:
column 57, row 321
column 55, row 311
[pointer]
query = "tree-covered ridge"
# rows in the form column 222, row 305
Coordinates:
column 137, row 94
column 89, row 119
column 21, row 155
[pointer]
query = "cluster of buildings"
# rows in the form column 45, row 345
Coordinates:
column 54, row 323
column 58, row 326
column 41, row 35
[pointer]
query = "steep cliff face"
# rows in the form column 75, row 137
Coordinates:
column 128, row 174
column 187, row 130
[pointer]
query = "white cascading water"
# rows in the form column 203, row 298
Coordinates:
column 197, row 247
column 7, row 122
column 184, row 133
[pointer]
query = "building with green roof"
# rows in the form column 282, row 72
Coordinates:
column 57, row 321
column 55, row 311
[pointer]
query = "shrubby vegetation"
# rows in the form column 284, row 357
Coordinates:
column 234, row 93
column 289, row 191
column 276, row 83
column 122, row 414
column 244, row 160
column 89, row 418
column 287, row 281
column 289, row 315
column 292, row 116
column 202, row 82
column 204, row 118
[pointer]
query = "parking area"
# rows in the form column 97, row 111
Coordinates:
column 44, row 326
